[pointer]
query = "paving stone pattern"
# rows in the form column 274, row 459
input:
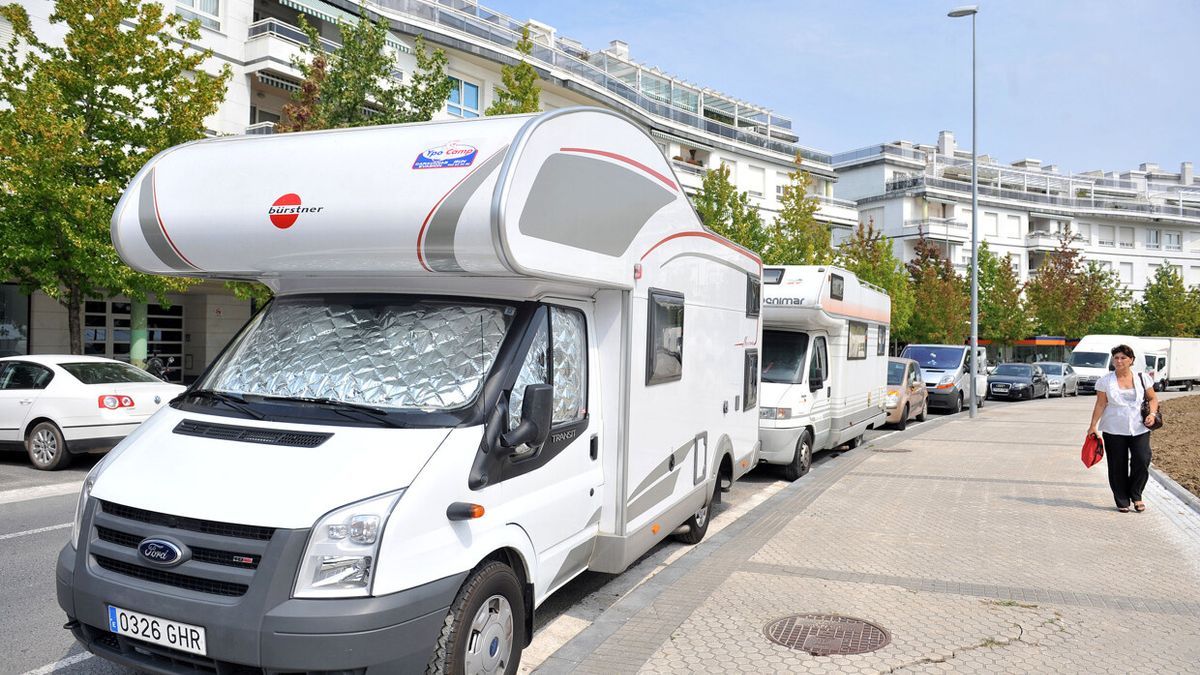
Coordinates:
column 987, row 548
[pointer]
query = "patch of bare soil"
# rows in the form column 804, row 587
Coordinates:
column 1177, row 445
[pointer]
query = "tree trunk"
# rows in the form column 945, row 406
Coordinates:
column 74, row 305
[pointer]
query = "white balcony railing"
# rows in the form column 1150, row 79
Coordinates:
column 260, row 129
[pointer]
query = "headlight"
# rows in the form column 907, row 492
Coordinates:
column 946, row 381
column 774, row 413
column 84, row 493
column 343, row 549
column 893, row 399
column 1019, row 385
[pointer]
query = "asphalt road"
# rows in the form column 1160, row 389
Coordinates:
column 36, row 510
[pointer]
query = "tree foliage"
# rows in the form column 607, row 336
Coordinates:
column 797, row 237
column 1168, row 307
column 518, row 92
column 1068, row 296
column 869, row 255
column 728, row 212
column 1003, row 317
column 78, row 122
column 942, row 312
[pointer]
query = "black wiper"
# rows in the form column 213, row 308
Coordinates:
column 342, row 408
column 230, row 399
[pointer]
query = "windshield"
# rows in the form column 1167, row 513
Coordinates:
column 384, row 351
column 935, row 358
column 895, row 372
column 1089, row 359
column 1150, row 359
column 1051, row 368
column 1012, row 369
column 783, row 356
column 107, row 373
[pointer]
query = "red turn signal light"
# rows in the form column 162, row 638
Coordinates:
column 114, row 401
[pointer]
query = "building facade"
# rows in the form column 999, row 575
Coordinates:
column 696, row 127
column 1131, row 222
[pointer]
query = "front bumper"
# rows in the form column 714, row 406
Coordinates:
column 1087, row 386
column 1009, row 392
column 778, row 446
column 945, row 398
column 264, row 631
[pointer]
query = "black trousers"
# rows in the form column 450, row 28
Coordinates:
column 1128, row 460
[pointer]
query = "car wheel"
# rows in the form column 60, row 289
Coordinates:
column 46, row 447
column 854, row 442
column 697, row 524
column 924, row 411
column 1047, row 394
column 903, row 423
column 483, row 631
column 801, row 460
column 957, row 405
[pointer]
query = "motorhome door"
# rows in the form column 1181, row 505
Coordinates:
column 821, row 389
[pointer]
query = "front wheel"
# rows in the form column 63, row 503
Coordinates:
column 484, row 630
column 46, row 447
column 903, row 423
column 801, row 460
column 958, row 405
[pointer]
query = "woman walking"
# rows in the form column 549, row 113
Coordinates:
column 1118, row 415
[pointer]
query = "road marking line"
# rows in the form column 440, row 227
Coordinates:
column 59, row 665
column 39, row 492
column 14, row 535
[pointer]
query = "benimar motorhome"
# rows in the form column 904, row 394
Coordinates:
column 824, row 372
column 502, row 351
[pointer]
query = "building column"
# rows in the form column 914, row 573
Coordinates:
column 138, row 334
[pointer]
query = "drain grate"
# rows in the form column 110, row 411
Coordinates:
column 891, row 450
column 827, row 634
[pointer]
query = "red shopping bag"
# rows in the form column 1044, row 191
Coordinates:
column 1093, row 450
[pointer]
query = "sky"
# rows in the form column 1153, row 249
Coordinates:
column 1097, row 84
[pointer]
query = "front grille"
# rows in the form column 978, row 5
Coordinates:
column 246, row 561
column 229, row 432
column 172, row 578
column 193, row 524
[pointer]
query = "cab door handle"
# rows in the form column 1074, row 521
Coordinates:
column 26, row 401
column 595, row 446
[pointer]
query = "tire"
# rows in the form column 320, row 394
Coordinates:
column 487, row 615
column 1047, row 394
column 801, row 460
column 854, row 442
column 46, row 447
column 903, row 423
column 924, row 411
column 957, row 405
column 697, row 524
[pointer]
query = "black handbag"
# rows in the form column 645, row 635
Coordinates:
column 1158, row 418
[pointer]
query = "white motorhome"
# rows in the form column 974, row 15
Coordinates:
column 502, row 353
column 1176, row 361
column 1092, row 357
column 824, row 372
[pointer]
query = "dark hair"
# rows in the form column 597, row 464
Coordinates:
column 1123, row 349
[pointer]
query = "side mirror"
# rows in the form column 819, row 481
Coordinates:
column 537, row 414
column 817, row 380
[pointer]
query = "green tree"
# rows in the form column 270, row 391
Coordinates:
column 797, row 238
column 77, row 123
column 728, row 212
column 942, row 305
column 1003, row 317
column 869, row 255
column 1169, row 308
column 519, row 92
column 1068, row 296
column 356, row 85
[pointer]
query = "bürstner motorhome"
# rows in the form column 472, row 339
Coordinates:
column 502, row 351
column 824, row 368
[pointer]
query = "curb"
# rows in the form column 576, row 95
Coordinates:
column 1176, row 489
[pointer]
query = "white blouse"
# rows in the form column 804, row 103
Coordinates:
column 1123, row 413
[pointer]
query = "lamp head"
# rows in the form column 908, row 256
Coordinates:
column 965, row 10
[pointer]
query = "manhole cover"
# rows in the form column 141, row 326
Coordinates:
column 826, row 634
column 891, row 450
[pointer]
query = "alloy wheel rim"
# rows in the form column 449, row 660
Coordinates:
column 490, row 641
column 45, row 446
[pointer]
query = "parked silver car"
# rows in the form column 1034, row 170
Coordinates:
column 1063, row 379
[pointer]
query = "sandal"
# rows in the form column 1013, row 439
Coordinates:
column 1139, row 506
column 1123, row 509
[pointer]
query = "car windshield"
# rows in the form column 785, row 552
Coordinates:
column 1089, row 359
column 935, row 358
column 1051, row 369
column 1012, row 369
column 895, row 373
column 386, row 351
column 107, row 373
column 783, row 356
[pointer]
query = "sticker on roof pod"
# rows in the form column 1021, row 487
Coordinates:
column 448, row 156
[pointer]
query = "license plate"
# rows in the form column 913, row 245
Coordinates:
column 174, row 634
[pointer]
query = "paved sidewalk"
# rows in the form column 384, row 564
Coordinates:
column 979, row 546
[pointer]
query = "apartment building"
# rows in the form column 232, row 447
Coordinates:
column 1131, row 222
column 697, row 127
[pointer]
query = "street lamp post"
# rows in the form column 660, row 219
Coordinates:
column 971, row 11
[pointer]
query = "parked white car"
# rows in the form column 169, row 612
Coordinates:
column 63, row 405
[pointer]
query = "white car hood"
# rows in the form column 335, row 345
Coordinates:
column 259, row 484
column 779, row 395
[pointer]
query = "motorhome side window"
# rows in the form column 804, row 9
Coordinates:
column 881, row 348
column 857, row 347
column 664, row 349
column 837, row 286
column 750, row 380
column 557, row 356
column 753, row 295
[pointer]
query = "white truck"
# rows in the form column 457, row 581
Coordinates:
column 1092, row 357
column 947, row 373
column 1177, row 361
column 824, row 373
column 501, row 352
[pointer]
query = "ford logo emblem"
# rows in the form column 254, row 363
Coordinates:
column 160, row 552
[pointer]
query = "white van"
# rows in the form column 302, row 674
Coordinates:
column 947, row 372
column 1092, row 357
column 502, row 351
column 824, row 373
